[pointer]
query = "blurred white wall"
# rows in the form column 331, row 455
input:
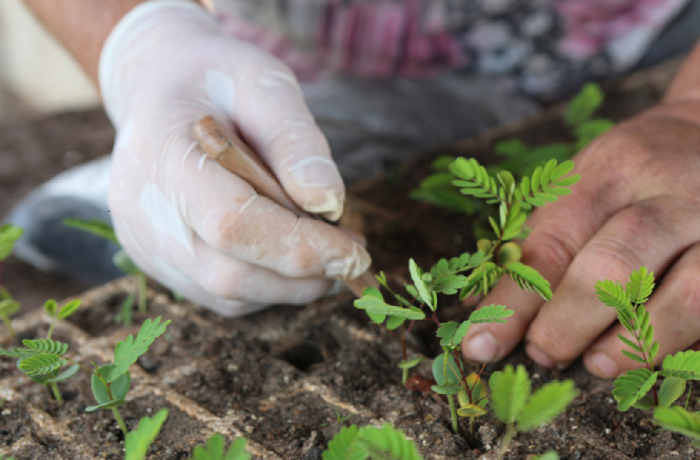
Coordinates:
column 36, row 73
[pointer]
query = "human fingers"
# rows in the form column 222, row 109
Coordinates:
column 652, row 233
column 674, row 312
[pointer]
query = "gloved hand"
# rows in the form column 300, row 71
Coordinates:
column 186, row 221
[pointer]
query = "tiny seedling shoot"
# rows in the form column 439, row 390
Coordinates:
column 639, row 387
column 121, row 260
column 9, row 234
column 41, row 359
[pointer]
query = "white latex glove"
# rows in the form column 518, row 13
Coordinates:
column 186, row 221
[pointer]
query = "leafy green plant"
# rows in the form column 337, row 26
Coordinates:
column 214, row 450
column 41, row 359
column 640, row 388
column 137, row 442
column 111, row 383
column 121, row 260
column 518, row 158
column 471, row 274
column 9, row 234
column 514, row 404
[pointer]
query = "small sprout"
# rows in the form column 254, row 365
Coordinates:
column 138, row 441
column 55, row 313
column 514, row 404
column 214, row 450
column 111, row 383
column 120, row 259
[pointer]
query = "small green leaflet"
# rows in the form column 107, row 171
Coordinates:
column 640, row 286
column 137, row 442
column 671, row 389
column 420, row 285
column 546, row 404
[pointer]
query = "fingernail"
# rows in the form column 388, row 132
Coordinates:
column 603, row 366
column 349, row 267
column 331, row 208
column 482, row 348
column 538, row 356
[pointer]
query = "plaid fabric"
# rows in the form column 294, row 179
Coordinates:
column 540, row 47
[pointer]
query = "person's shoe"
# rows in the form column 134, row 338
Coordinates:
column 51, row 246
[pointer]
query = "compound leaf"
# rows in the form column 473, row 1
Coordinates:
column 490, row 314
column 345, row 445
column 678, row 420
column 452, row 333
column 684, row 364
column 128, row 350
column 545, row 404
column 632, row 387
column 387, row 443
column 510, row 390
column 640, row 285
column 529, row 279
column 41, row 364
column 138, row 441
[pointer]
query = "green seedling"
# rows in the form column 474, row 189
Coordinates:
column 215, row 447
column 111, row 383
column 471, row 274
column 518, row 158
column 121, row 260
column 640, row 388
column 514, row 404
column 350, row 443
column 138, row 441
column 9, row 234
column 42, row 359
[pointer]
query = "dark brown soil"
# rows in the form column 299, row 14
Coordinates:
column 289, row 377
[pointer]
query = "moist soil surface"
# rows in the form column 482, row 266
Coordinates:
column 289, row 377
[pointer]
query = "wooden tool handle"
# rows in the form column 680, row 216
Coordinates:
column 222, row 145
